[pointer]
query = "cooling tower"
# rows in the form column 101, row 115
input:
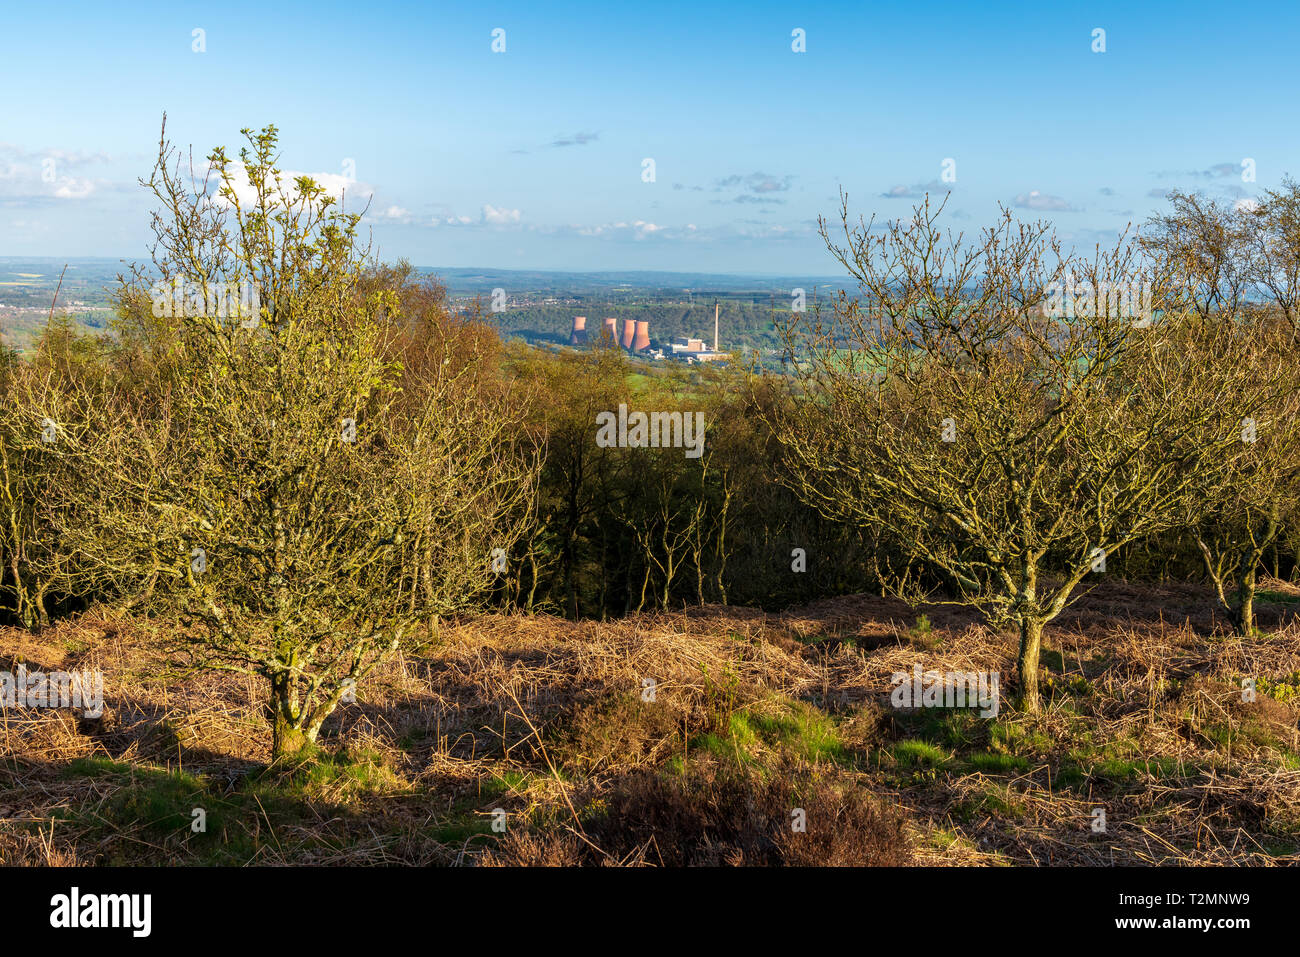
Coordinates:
column 642, row 338
column 612, row 330
column 629, row 333
column 578, row 335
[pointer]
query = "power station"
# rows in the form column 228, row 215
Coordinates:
column 634, row 337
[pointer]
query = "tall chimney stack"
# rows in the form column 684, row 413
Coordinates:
column 629, row 333
column 578, row 334
column 642, row 338
column 715, row 325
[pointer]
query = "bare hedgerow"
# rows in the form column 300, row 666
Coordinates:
column 1239, row 266
column 63, row 418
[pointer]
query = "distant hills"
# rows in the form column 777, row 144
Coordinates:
column 463, row 282
column 541, row 302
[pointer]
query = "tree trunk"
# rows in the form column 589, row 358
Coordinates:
column 570, row 581
column 1248, row 575
column 287, row 741
column 1031, row 642
column 1246, row 603
column 287, row 735
column 38, row 602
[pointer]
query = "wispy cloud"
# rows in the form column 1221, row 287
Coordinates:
column 750, row 198
column 577, row 139
column 757, row 188
column 1043, row 202
column 1217, row 171
column 916, row 191
column 754, row 183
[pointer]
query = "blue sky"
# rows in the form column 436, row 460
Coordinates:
column 532, row 158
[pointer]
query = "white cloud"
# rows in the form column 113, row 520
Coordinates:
column 497, row 217
column 1043, row 202
column 72, row 188
column 32, row 178
column 640, row 229
column 348, row 192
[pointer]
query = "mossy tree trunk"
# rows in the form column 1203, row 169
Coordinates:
column 287, row 735
column 286, row 739
column 1031, row 645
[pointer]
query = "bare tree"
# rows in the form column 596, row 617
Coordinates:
column 1201, row 246
column 1011, row 413
column 1273, row 249
column 315, row 501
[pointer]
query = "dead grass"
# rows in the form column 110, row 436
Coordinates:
column 748, row 717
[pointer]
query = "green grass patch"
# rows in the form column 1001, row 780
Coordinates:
column 1017, row 739
column 163, row 802
column 96, row 766
column 800, row 729
column 957, row 728
column 1125, row 771
column 337, row 776
column 509, row 781
column 990, row 762
column 460, row 828
column 915, row 753
column 991, row 801
column 1070, row 774
column 1277, row 597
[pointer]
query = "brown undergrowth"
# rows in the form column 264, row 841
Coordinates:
column 715, row 736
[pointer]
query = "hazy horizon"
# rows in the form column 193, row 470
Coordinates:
column 425, row 267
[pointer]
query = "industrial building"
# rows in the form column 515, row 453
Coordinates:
column 634, row 336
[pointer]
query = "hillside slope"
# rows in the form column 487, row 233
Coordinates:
column 689, row 738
